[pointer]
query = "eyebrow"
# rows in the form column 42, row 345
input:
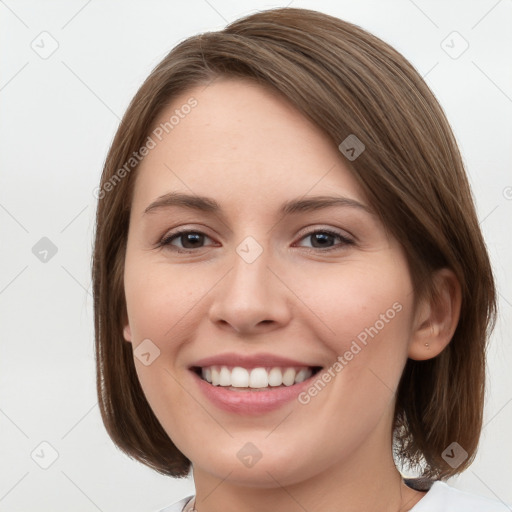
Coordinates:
column 209, row 205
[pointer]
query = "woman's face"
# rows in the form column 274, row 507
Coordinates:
column 284, row 266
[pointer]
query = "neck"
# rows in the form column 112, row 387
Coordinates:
column 368, row 481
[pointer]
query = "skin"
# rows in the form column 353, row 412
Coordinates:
column 251, row 151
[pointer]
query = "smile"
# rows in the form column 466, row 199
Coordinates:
column 251, row 385
column 238, row 378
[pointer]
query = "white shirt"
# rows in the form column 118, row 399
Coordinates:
column 440, row 498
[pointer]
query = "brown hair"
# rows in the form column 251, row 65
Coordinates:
column 347, row 81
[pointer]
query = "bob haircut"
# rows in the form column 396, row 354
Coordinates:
column 346, row 81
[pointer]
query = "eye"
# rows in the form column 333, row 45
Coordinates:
column 188, row 240
column 324, row 239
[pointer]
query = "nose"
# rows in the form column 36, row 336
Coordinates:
column 251, row 299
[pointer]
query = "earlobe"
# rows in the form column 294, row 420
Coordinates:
column 127, row 332
column 436, row 317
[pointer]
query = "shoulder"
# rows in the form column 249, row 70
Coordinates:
column 440, row 498
column 178, row 506
column 443, row 498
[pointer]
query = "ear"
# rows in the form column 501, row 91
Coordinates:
column 127, row 332
column 436, row 317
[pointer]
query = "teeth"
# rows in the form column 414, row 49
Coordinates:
column 275, row 377
column 224, row 377
column 255, row 378
column 258, row 378
column 303, row 374
column 239, row 377
column 289, row 376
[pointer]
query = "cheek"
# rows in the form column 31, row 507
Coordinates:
column 368, row 314
column 358, row 300
column 160, row 300
column 366, row 319
column 164, row 306
column 162, row 303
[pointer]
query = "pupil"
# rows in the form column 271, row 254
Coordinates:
column 195, row 239
column 191, row 238
column 322, row 238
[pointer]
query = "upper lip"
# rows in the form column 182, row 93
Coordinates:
column 250, row 361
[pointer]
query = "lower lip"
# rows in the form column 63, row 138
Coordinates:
column 251, row 402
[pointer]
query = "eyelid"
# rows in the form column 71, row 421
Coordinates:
column 309, row 230
column 345, row 240
column 166, row 239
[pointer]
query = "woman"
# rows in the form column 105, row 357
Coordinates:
column 292, row 292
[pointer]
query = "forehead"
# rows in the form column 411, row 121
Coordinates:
column 240, row 140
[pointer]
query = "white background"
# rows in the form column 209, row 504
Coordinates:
column 58, row 117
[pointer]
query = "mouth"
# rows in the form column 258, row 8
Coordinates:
column 262, row 378
column 251, row 384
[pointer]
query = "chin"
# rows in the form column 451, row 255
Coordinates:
column 272, row 465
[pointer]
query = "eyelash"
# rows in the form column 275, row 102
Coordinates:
column 166, row 240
